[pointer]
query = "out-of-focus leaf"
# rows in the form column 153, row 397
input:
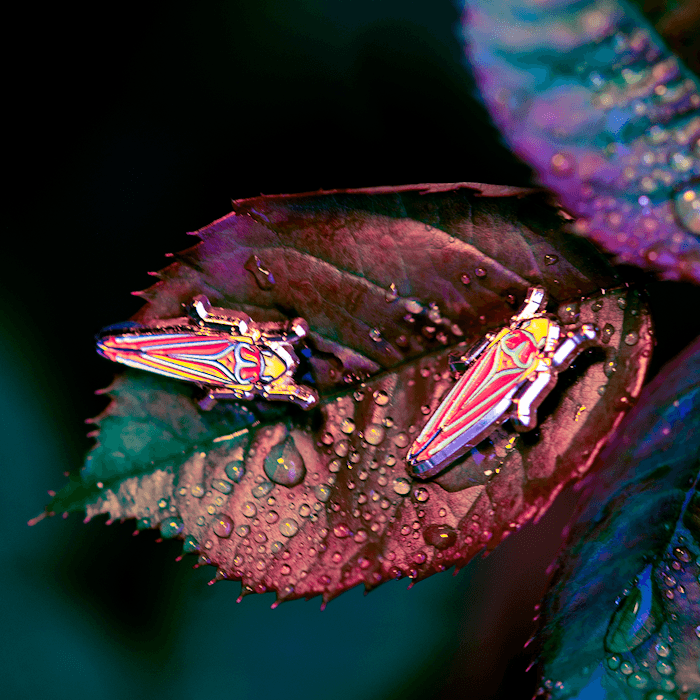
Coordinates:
column 609, row 118
column 622, row 617
column 390, row 281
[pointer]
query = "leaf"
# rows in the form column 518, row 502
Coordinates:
column 391, row 281
column 589, row 96
column 622, row 613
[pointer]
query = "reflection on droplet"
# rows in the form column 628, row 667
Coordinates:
column 243, row 530
column 551, row 259
column 610, row 368
column 284, row 464
column 381, row 398
column 465, row 279
column 374, row 434
column 223, row 525
column 289, row 527
column 607, row 332
column 260, row 272
column 271, row 517
column 375, row 334
column 622, row 302
column 190, row 545
column 632, row 338
column 480, row 272
column 334, row 466
column 342, row 447
column 341, row 530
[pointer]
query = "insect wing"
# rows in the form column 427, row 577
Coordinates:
column 205, row 359
column 476, row 403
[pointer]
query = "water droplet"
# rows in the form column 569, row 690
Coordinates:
column 434, row 312
column 391, row 294
column 610, row 368
column 662, row 649
column 626, row 668
column 480, row 272
column 163, row 503
column 682, row 554
column 249, row 509
column 413, row 306
column 597, row 305
column 687, row 204
column 665, row 668
column 197, row 490
column 342, row 447
column 327, row 439
column 322, row 492
column 440, row 536
column 347, row 426
column 381, row 398
column 341, row 530
column 551, row 259
column 601, row 389
column 569, row 313
column 622, row 302
column 289, row 527
column 465, row 279
column 607, row 333
column 334, row 466
column 285, row 569
column 563, row 164
column 632, row 338
column 402, row 486
column 262, row 489
column 421, row 494
column 235, row 470
column 171, row 527
column 374, row 434
column 375, row 334
column 401, row 440
column 260, row 272
column 419, row 557
column 305, row 510
column 222, row 486
column 614, row 663
column 271, row 517
column 190, row 545
column 243, row 530
column 223, row 525
column 284, row 464
column 638, row 680
column 360, row 536
column 275, row 547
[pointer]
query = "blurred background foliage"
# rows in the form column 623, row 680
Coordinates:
column 131, row 124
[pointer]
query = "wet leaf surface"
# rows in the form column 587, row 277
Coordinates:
column 591, row 98
column 391, row 281
column 621, row 617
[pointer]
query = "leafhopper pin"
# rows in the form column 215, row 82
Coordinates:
column 506, row 375
column 224, row 352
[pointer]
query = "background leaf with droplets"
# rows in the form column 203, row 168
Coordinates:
column 391, row 282
column 622, row 617
column 591, row 98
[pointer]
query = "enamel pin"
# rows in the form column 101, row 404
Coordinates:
column 224, row 352
column 506, row 375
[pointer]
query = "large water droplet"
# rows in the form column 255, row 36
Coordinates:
column 223, row 525
column 401, row 440
column 440, row 536
column 381, row 398
column 289, row 527
column 374, row 434
column 260, row 272
column 171, row 527
column 284, row 464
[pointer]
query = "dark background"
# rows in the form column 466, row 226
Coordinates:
column 131, row 124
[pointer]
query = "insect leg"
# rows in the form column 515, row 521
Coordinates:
column 535, row 300
column 564, row 355
column 526, row 404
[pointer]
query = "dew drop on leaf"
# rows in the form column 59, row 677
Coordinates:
column 262, row 489
column 284, row 464
column 222, row 486
column 347, row 426
column 440, row 536
column 421, row 494
column 480, row 272
column 190, row 545
column 197, row 490
column 375, row 334
column 322, row 492
column 632, row 338
column 401, row 486
column 401, row 440
column 289, row 527
column 374, row 434
column 341, row 530
column 234, row 470
column 223, row 525
column 413, row 306
column 342, row 447
column 249, row 509
column 551, row 259
column 171, row 527
column 465, row 279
